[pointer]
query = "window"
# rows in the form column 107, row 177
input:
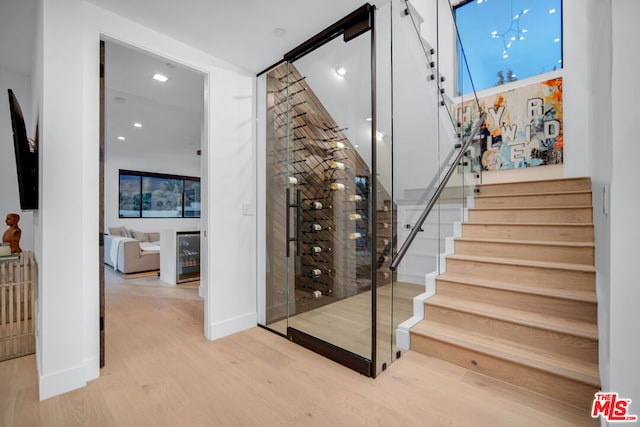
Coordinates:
column 154, row 195
column 507, row 40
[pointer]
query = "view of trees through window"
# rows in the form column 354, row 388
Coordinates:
column 152, row 195
column 507, row 40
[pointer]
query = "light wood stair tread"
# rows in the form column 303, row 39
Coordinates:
column 525, row 263
column 538, row 358
column 534, row 181
column 527, row 318
column 553, row 193
column 532, row 224
column 527, row 242
column 568, row 294
column 531, row 208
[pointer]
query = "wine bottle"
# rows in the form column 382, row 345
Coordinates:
column 315, row 227
column 355, row 198
column 337, row 186
column 337, row 165
column 316, row 272
column 356, row 217
column 353, row 236
column 337, row 145
column 315, row 205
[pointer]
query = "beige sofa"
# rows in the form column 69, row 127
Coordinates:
column 131, row 255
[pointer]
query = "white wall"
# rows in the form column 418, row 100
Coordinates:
column 9, row 197
column 232, row 199
column 66, row 80
column 169, row 162
column 624, row 329
column 64, row 195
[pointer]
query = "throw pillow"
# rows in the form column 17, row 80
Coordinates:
column 141, row 236
column 117, row 231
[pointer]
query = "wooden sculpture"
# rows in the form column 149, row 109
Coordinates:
column 13, row 233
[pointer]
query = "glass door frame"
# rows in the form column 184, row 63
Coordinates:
column 351, row 26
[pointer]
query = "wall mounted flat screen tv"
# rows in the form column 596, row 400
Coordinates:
column 26, row 156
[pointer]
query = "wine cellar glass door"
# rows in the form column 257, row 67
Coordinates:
column 319, row 217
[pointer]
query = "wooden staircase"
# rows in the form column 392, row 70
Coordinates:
column 518, row 300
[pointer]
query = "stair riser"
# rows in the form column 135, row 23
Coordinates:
column 563, row 308
column 566, row 254
column 551, row 341
column 560, row 388
column 528, row 216
column 543, row 278
column 552, row 186
column 553, row 233
column 549, row 200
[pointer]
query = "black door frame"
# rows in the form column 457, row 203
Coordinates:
column 351, row 26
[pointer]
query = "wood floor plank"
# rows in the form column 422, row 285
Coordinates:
column 161, row 371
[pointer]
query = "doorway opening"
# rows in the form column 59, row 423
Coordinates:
column 152, row 126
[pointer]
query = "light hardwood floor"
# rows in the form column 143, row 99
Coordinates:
column 161, row 371
column 347, row 322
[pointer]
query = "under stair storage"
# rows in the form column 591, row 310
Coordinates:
column 517, row 301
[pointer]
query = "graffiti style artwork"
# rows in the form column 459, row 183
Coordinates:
column 523, row 126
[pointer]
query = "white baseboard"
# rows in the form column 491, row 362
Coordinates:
column 471, row 202
column 54, row 384
column 92, row 368
column 403, row 337
column 231, row 326
column 457, row 229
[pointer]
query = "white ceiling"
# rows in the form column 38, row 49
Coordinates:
column 240, row 32
column 170, row 113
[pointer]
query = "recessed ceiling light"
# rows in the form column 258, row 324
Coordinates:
column 552, row 11
column 341, row 71
column 556, row 40
column 138, row 125
column 279, row 32
column 368, row 119
column 121, row 138
column 356, row 146
column 161, row 78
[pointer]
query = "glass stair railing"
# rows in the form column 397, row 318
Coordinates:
column 436, row 145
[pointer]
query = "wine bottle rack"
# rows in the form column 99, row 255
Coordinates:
column 305, row 142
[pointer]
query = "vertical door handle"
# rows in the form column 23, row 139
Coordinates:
column 296, row 205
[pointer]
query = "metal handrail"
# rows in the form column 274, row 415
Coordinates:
column 416, row 228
